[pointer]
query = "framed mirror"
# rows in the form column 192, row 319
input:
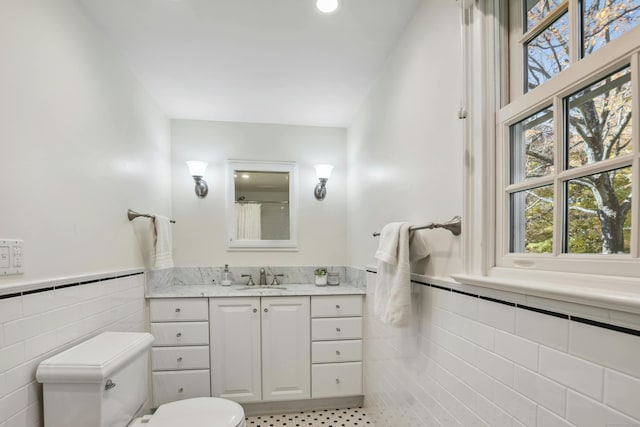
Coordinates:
column 261, row 206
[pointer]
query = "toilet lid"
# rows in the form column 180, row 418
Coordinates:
column 198, row 412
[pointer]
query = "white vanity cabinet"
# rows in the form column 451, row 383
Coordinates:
column 180, row 352
column 336, row 332
column 260, row 348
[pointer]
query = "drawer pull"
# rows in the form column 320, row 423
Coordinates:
column 179, row 334
column 337, row 380
column 177, row 310
column 179, row 359
column 180, row 390
column 337, row 352
column 338, row 306
column 266, row 309
column 255, row 310
column 109, row 385
column 337, row 329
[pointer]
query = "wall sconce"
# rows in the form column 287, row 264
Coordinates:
column 197, row 169
column 324, row 173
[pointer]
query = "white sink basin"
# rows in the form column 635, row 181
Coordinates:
column 263, row 288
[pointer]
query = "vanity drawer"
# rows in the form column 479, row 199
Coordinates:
column 178, row 309
column 181, row 333
column 336, row 351
column 344, row 328
column 336, row 306
column 336, row 379
column 171, row 385
column 179, row 358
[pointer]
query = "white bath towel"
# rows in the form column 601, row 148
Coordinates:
column 162, row 256
column 396, row 250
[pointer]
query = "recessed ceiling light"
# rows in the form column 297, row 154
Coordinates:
column 327, row 6
column 246, row 176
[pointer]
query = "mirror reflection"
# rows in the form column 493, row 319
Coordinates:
column 261, row 205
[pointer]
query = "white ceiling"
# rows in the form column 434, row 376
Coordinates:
column 267, row 61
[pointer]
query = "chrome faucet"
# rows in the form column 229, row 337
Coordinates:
column 263, row 278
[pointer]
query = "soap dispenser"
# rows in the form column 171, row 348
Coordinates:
column 226, row 281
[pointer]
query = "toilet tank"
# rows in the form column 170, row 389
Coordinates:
column 101, row 382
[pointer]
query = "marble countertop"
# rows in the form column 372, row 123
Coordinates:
column 219, row 291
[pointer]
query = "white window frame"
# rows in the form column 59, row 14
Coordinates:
column 580, row 74
column 609, row 281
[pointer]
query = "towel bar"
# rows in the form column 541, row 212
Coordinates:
column 133, row 215
column 454, row 225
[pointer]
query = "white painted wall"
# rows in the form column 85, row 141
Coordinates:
column 81, row 142
column 200, row 231
column 404, row 156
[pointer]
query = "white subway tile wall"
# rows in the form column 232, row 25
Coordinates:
column 35, row 326
column 465, row 361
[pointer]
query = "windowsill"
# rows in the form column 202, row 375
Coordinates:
column 610, row 292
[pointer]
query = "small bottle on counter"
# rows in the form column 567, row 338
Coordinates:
column 333, row 278
column 226, row 281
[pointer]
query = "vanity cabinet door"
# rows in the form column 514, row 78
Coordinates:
column 235, row 348
column 286, row 341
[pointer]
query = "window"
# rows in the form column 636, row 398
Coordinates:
column 567, row 154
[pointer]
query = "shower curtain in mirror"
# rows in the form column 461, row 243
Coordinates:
column 248, row 221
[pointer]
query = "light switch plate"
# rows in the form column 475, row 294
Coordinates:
column 11, row 257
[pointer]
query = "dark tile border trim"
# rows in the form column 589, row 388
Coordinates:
column 67, row 285
column 590, row 322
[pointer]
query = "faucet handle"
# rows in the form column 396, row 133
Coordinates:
column 250, row 282
column 275, row 279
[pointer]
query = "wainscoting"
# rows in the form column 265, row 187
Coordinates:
column 468, row 360
column 39, row 323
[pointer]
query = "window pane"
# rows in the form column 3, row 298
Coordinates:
column 548, row 53
column 532, row 220
column 532, row 146
column 537, row 10
column 599, row 217
column 600, row 121
column 606, row 20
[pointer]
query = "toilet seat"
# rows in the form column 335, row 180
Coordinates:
column 199, row 412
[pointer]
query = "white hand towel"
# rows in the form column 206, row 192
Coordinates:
column 162, row 243
column 392, row 299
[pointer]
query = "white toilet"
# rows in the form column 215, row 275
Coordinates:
column 103, row 382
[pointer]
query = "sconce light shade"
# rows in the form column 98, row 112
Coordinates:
column 324, row 173
column 197, row 170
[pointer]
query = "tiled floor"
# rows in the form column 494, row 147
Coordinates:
column 351, row 417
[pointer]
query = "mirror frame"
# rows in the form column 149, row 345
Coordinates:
column 261, row 166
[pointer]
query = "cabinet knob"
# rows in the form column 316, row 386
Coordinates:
column 266, row 309
column 179, row 359
column 337, row 380
column 337, row 329
column 180, row 390
column 338, row 306
column 177, row 310
column 338, row 352
column 255, row 310
column 179, row 334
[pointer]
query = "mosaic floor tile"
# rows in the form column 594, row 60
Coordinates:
column 350, row 417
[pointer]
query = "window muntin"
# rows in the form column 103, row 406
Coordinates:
column 599, row 119
column 606, row 20
column 547, row 54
